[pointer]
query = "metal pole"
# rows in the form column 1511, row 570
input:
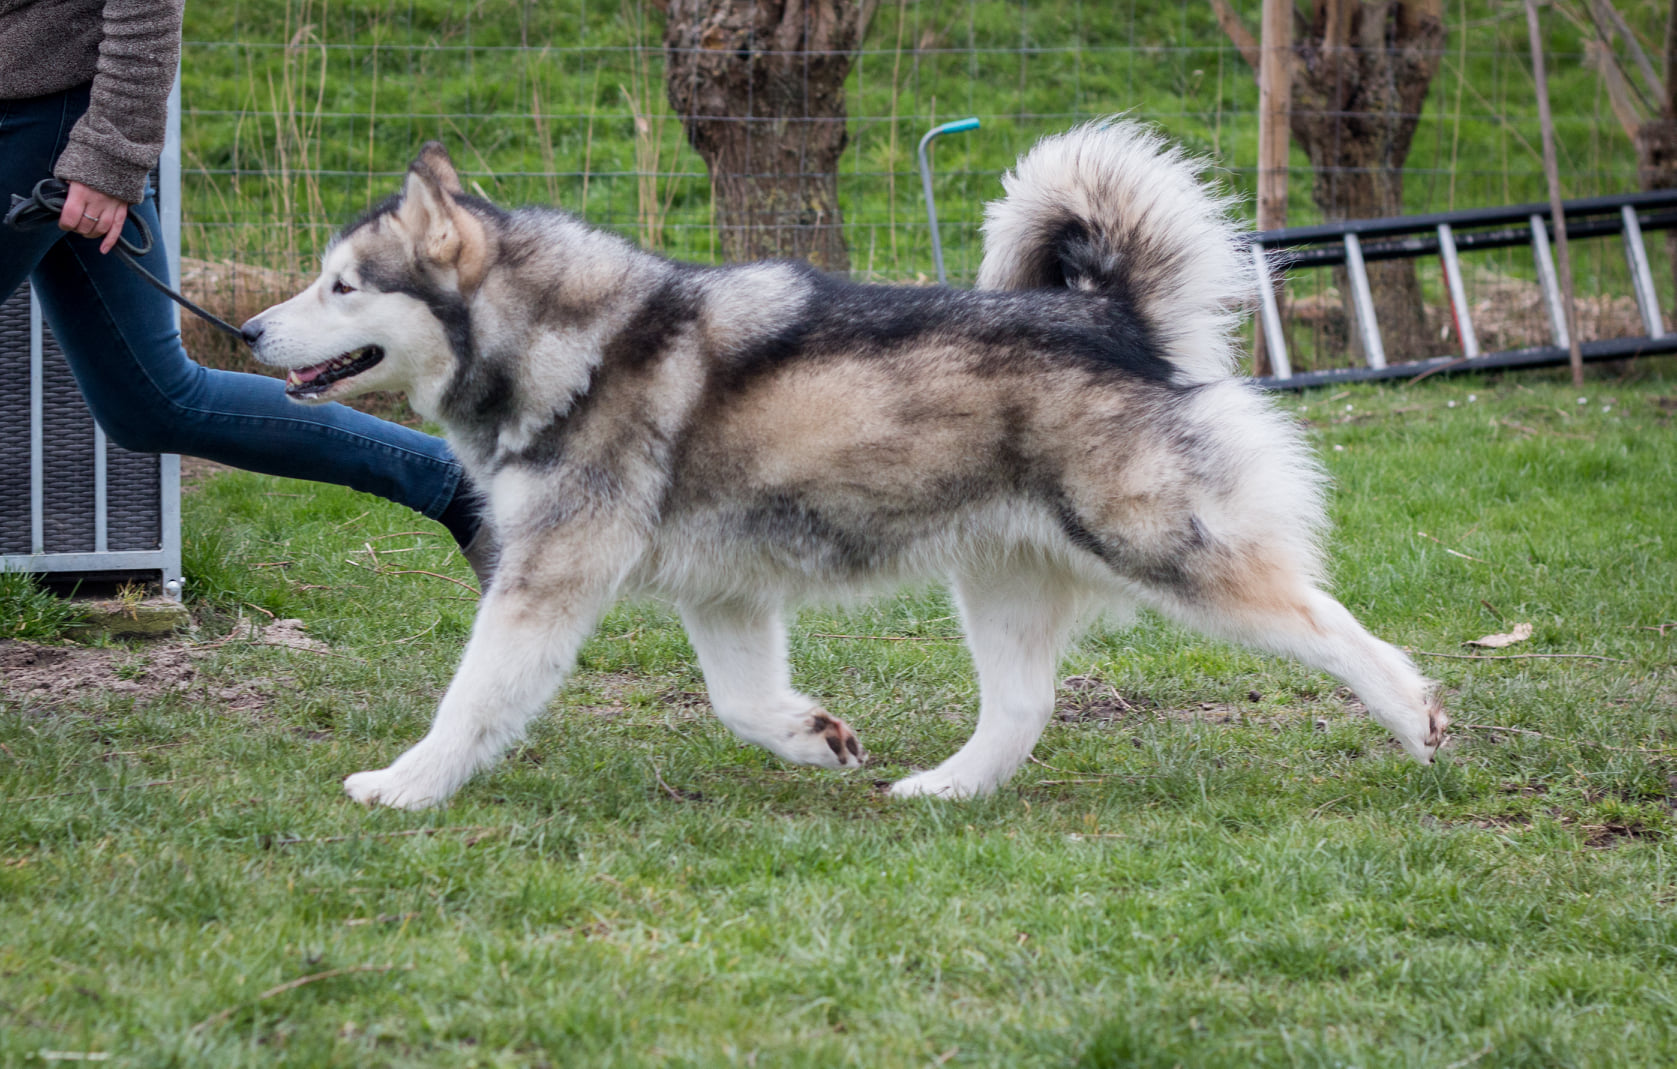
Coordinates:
column 1458, row 290
column 958, row 126
column 1269, row 315
column 1546, row 278
column 1275, row 102
column 37, row 437
column 1551, row 172
column 169, row 464
column 1362, row 302
column 1641, row 277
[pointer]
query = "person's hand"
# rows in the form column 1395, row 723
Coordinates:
column 93, row 214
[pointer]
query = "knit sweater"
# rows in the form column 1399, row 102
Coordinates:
column 128, row 49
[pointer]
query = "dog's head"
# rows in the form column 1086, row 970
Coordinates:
column 390, row 310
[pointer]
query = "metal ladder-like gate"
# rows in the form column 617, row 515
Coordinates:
column 1356, row 242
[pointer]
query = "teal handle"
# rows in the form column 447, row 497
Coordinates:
column 926, row 183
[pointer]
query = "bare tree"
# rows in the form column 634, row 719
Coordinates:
column 759, row 86
column 1361, row 70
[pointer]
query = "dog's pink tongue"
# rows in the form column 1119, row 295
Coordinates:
column 306, row 374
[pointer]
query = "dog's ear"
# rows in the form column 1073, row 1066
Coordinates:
column 434, row 158
column 443, row 232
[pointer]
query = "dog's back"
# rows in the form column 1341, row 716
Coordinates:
column 866, row 433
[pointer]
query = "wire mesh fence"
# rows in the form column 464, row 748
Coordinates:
column 299, row 114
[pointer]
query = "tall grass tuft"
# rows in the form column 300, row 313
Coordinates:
column 649, row 112
column 30, row 611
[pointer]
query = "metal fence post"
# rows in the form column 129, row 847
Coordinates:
column 958, row 126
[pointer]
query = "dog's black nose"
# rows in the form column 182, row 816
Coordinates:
column 250, row 332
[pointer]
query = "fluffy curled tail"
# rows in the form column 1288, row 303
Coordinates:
column 1110, row 207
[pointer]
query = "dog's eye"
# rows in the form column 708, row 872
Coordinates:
column 341, row 286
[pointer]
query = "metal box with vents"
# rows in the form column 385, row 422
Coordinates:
column 71, row 502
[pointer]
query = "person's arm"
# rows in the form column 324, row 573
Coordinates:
column 116, row 143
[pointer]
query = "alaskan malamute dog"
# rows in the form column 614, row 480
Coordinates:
column 1065, row 439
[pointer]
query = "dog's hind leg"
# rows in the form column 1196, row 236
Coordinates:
column 523, row 643
column 742, row 649
column 1287, row 615
column 1018, row 618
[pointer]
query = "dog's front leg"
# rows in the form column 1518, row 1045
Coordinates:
column 742, row 649
column 523, row 643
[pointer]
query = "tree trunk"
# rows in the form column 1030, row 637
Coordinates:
column 759, row 86
column 1362, row 76
column 1361, row 70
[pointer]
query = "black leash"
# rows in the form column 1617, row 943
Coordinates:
column 45, row 204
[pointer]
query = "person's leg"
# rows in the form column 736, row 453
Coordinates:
column 119, row 337
column 31, row 133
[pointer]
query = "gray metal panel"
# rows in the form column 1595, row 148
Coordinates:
column 70, row 501
column 58, row 563
column 16, row 426
column 67, row 458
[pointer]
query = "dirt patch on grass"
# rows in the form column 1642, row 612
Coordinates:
column 1090, row 699
column 52, row 676
column 1600, row 835
column 1603, row 836
column 55, row 675
column 608, row 693
column 689, row 703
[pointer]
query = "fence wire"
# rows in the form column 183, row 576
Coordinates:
column 301, row 113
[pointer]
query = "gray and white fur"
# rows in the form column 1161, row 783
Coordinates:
column 1067, row 439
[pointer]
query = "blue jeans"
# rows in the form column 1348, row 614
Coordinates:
column 120, row 339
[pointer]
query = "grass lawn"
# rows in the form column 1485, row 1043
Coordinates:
column 1217, row 861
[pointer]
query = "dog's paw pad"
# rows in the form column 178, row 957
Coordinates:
column 1437, row 722
column 846, row 747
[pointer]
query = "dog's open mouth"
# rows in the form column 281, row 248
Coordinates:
column 313, row 381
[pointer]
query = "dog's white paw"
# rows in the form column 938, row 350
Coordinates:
column 386, row 786
column 937, row 783
column 822, row 739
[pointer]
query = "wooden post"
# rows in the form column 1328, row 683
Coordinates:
column 1275, row 102
column 1551, row 173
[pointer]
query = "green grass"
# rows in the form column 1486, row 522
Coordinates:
column 1240, row 871
column 32, row 612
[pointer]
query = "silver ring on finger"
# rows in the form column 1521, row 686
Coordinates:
column 95, row 218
